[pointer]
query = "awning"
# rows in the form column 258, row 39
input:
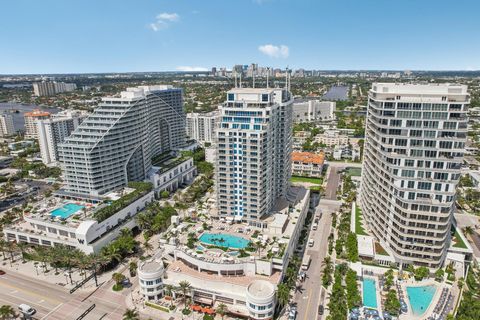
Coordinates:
column 203, row 300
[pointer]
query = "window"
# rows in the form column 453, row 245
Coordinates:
column 231, row 97
column 264, row 97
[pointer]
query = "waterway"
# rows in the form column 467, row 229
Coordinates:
column 336, row 93
column 17, row 110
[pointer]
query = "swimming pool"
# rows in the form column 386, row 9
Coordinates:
column 66, row 211
column 224, row 240
column 420, row 298
column 369, row 293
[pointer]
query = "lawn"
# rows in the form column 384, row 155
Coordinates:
column 379, row 249
column 355, row 172
column 458, row 242
column 358, row 222
column 306, row 179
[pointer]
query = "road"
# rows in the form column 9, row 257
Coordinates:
column 53, row 302
column 308, row 299
column 332, row 183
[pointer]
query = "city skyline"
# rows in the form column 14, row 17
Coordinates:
column 187, row 36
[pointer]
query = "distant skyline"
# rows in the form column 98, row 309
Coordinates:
column 58, row 36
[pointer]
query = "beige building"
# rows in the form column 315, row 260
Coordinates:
column 414, row 146
column 31, row 118
column 6, row 125
column 307, row 164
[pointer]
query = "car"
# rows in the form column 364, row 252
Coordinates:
column 320, row 310
column 26, row 309
column 292, row 315
column 311, row 242
column 2, row 272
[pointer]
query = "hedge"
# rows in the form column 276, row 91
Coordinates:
column 141, row 189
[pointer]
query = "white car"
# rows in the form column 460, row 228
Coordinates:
column 26, row 309
column 311, row 242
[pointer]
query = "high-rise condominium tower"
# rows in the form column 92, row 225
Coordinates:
column 116, row 143
column 31, row 119
column 254, row 145
column 53, row 131
column 6, row 125
column 414, row 144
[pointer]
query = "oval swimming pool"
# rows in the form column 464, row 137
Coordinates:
column 224, row 240
column 420, row 298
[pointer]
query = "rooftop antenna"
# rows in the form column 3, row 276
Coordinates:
column 286, row 78
column 268, row 72
column 253, row 74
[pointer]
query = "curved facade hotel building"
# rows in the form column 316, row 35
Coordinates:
column 116, row 143
column 414, row 145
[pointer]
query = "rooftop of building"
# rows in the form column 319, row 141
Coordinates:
column 418, row 88
column 37, row 113
column 308, row 157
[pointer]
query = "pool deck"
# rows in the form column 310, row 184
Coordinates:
column 412, row 283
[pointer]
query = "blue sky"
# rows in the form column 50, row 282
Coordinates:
column 62, row 36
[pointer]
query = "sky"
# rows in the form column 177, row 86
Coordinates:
column 84, row 36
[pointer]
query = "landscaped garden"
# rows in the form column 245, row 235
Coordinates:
column 359, row 230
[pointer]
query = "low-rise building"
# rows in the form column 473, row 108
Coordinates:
column 332, row 138
column 150, row 278
column 307, row 164
column 87, row 226
column 168, row 173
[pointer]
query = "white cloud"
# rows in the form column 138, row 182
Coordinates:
column 163, row 20
column 272, row 51
column 168, row 16
column 191, row 69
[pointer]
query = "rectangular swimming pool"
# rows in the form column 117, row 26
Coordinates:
column 369, row 293
column 66, row 211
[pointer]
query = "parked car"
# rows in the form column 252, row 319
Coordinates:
column 311, row 242
column 320, row 310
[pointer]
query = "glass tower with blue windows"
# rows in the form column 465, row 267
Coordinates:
column 254, row 145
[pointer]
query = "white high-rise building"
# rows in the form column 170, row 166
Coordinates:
column 116, row 143
column 254, row 145
column 201, row 126
column 306, row 110
column 414, row 145
column 6, row 125
column 53, row 131
column 31, row 119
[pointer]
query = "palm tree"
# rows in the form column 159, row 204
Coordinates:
column 11, row 246
column 283, row 294
column 3, row 248
column 118, row 278
column 7, row 312
column 23, row 248
column 147, row 246
column 468, row 230
column 133, row 268
column 184, row 286
column 169, row 292
column 131, row 314
column 222, row 309
column 112, row 253
column 125, row 232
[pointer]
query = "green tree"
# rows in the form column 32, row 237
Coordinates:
column 131, row 314
column 392, row 304
column 388, row 283
column 7, row 312
column 283, row 294
column 421, row 273
column 184, row 286
column 222, row 310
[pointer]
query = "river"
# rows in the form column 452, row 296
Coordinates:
column 17, row 110
column 336, row 93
